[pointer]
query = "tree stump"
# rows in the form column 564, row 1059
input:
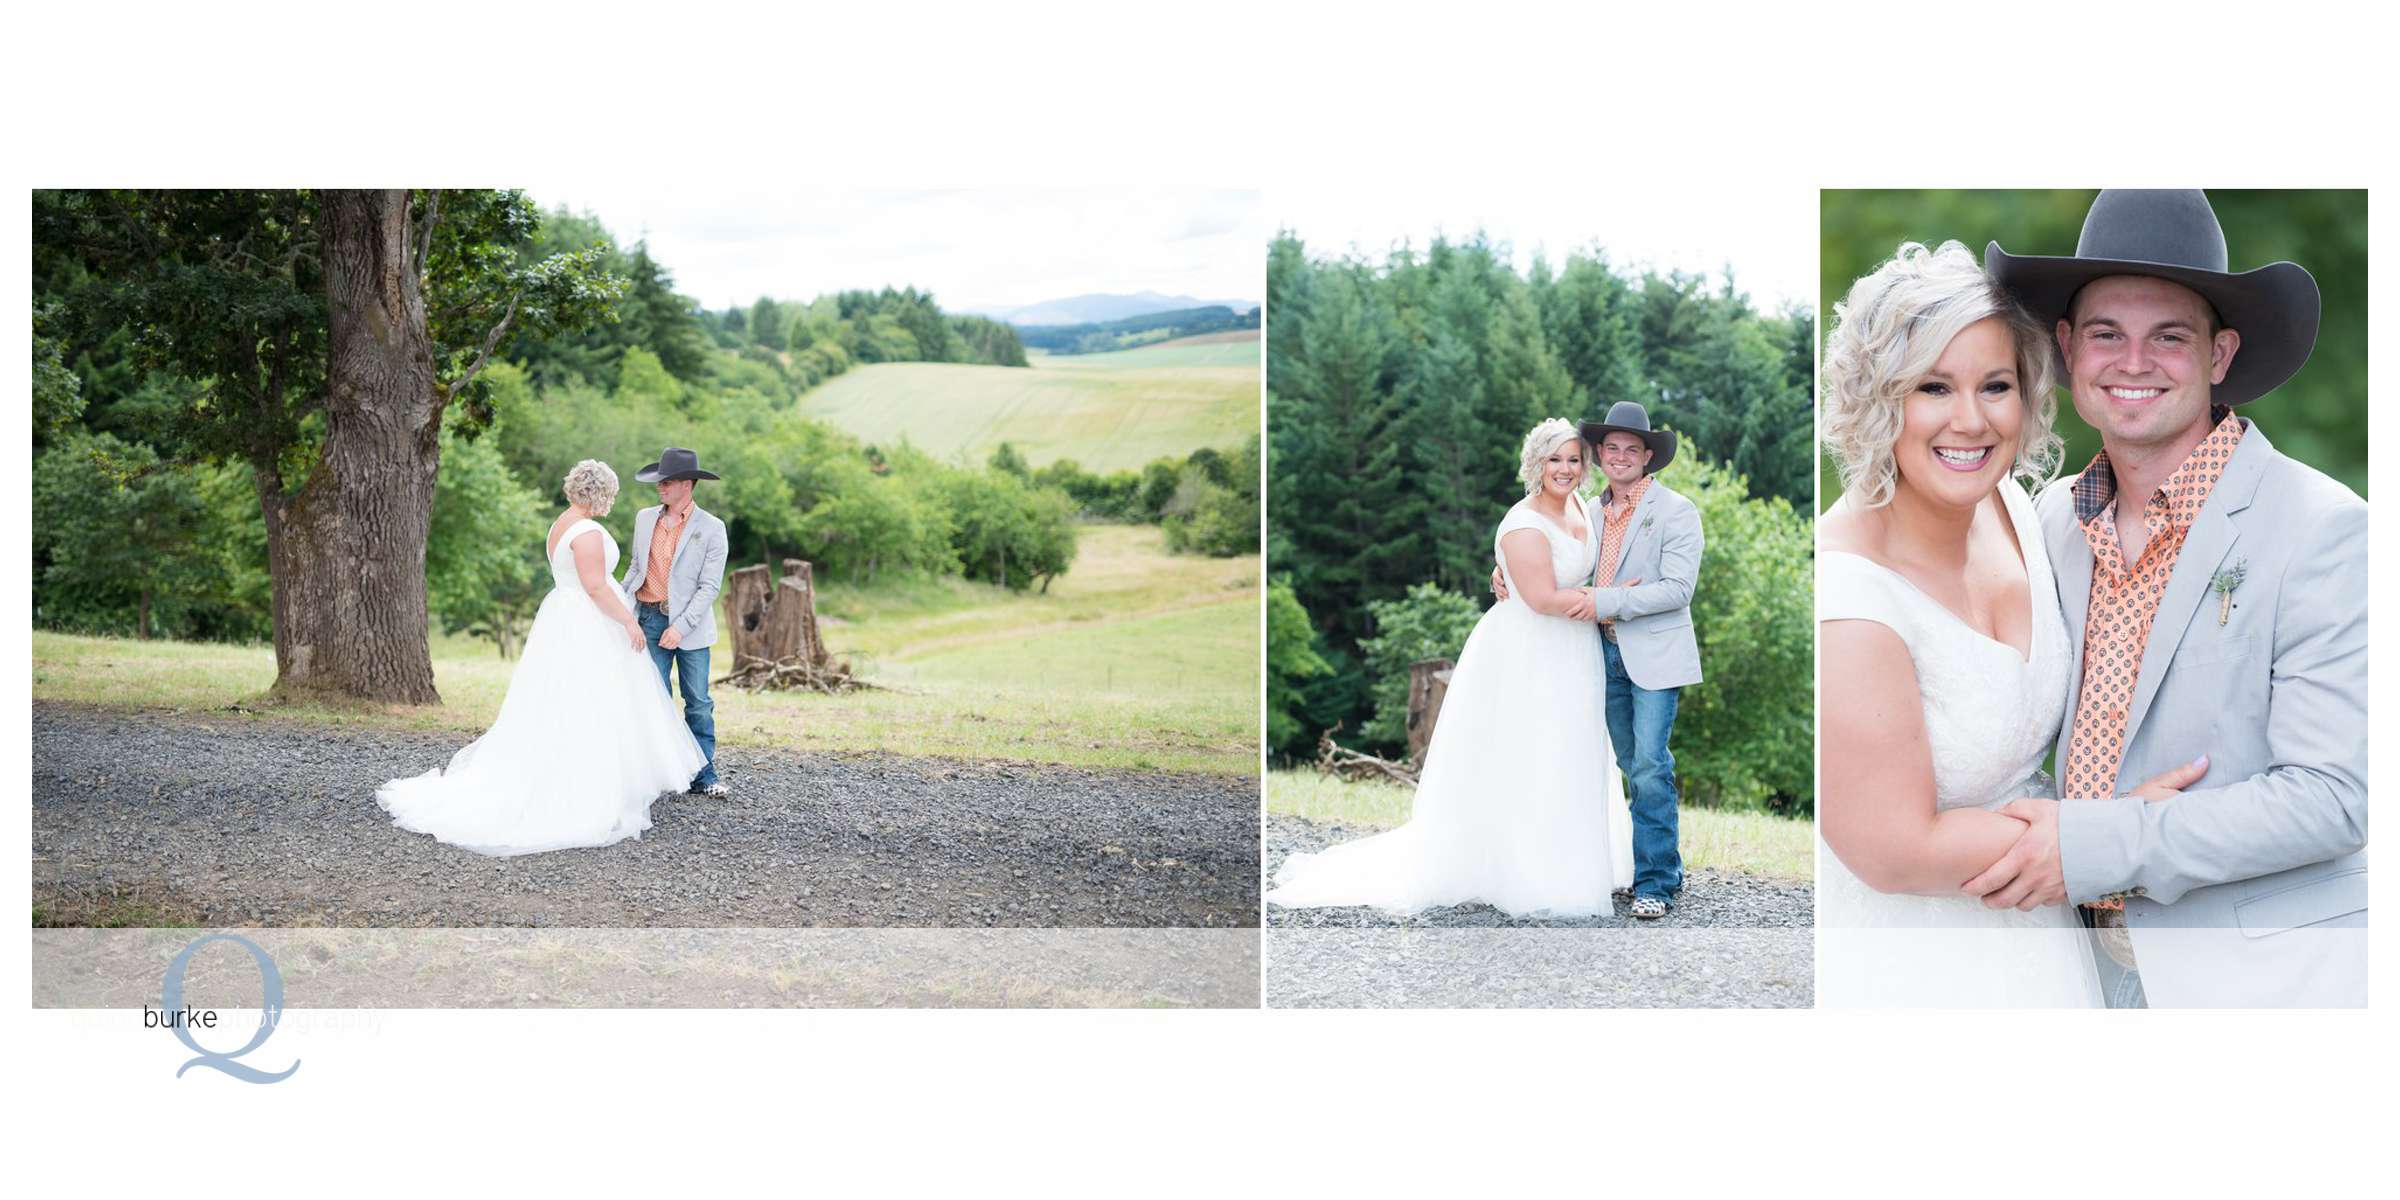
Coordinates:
column 1428, row 683
column 773, row 624
column 774, row 620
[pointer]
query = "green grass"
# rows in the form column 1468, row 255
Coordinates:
column 1105, row 418
column 1713, row 839
column 1136, row 659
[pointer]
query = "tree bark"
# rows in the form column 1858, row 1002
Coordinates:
column 346, row 553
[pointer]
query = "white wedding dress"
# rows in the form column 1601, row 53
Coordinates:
column 1519, row 805
column 1990, row 716
column 586, row 738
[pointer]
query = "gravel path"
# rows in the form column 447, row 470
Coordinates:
column 1734, row 940
column 1710, row 899
column 232, row 821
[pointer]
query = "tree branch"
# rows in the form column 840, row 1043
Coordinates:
column 433, row 214
column 490, row 343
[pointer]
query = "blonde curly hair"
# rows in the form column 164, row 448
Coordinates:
column 1886, row 337
column 1544, row 438
column 592, row 485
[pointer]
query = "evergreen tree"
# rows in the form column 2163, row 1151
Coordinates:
column 766, row 323
column 658, row 320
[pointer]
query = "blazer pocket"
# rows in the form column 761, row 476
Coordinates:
column 2302, row 904
column 2211, row 650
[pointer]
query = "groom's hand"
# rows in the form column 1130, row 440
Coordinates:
column 670, row 639
column 2029, row 875
column 1499, row 585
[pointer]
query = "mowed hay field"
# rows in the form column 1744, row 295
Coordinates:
column 1135, row 659
column 1234, row 348
column 1105, row 411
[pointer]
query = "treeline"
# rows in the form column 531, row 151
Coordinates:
column 147, row 519
column 1129, row 332
column 1400, row 392
column 1207, row 503
column 784, row 347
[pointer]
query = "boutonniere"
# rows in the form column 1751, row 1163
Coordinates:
column 1646, row 520
column 2223, row 585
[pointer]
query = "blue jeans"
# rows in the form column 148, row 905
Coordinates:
column 699, row 712
column 1639, row 722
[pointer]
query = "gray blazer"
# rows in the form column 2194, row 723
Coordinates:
column 1654, row 619
column 693, row 578
column 2250, row 888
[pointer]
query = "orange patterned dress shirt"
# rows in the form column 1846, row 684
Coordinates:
column 663, row 537
column 1616, row 515
column 2124, row 602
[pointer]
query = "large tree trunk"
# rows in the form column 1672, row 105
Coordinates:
column 347, row 553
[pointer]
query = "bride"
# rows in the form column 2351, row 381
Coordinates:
column 586, row 737
column 1519, row 805
column 1943, row 656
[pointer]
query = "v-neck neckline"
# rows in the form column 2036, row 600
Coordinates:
column 2017, row 532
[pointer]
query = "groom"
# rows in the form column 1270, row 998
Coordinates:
column 1649, row 564
column 2217, row 594
column 671, row 579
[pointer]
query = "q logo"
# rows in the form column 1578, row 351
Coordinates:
column 170, row 1000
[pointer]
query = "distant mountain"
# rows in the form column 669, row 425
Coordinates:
column 1126, row 333
column 1097, row 308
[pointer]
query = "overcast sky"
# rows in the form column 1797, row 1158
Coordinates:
column 972, row 248
column 1768, row 235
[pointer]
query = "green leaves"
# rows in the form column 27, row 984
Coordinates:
column 1427, row 623
column 1292, row 660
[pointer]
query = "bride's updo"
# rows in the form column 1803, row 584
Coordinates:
column 1546, row 437
column 1886, row 337
column 592, row 485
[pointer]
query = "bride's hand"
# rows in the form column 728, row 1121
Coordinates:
column 634, row 634
column 2168, row 784
column 1582, row 609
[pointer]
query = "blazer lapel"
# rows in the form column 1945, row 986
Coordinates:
column 683, row 540
column 2071, row 570
column 2212, row 538
column 645, row 523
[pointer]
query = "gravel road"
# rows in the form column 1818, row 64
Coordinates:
column 253, row 821
column 1734, row 940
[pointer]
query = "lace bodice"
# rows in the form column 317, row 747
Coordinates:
column 562, row 558
column 1571, row 560
column 1990, row 716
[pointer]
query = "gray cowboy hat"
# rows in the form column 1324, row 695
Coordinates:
column 2172, row 234
column 674, row 462
column 1627, row 416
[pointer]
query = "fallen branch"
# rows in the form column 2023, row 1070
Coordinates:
column 1340, row 762
column 831, row 676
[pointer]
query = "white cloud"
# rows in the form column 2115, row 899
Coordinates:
column 969, row 247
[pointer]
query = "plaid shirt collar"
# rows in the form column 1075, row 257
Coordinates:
column 2182, row 493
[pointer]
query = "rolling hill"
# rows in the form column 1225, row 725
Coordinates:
column 1107, row 415
column 1097, row 307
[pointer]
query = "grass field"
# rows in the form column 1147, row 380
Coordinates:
column 1144, row 404
column 1136, row 659
column 1757, row 843
column 1239, row 348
